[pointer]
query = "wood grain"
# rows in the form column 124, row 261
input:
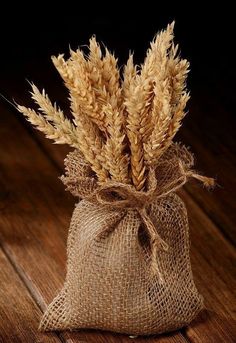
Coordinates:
column 210, row 327
column 19, row 314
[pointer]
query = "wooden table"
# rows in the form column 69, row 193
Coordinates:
column 35, row 212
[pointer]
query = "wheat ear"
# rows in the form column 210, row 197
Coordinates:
column 88, row 139
column 154, row 69
column 52, row 112
column 133, row 126
column 131, row 92
column 139, row 104
column 177, row 71
column 104, row 76
column 161, row 120
column 91, row 145
column 129, row 77
column 170, row 96
column 94, row 66
column 76, row 79
column 55, row 133
column 114, row 150
column 111, row 79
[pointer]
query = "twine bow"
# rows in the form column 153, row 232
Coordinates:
column 123, row 196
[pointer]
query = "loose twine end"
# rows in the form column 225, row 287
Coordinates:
column 207, row 181
column 156, row 243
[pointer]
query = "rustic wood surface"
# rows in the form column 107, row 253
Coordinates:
column 35, row 212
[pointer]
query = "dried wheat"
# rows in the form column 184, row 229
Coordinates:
column 57, row 134
column 141, row 119
column 77, row 81
column 114, row 150
column 121, row 127
column 52, row 112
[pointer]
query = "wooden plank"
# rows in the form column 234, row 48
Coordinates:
column 35, row 215
column 19, row 314
column 213, row 261
column 105, row 337
column 209, row 131
column 209, row 327
column 211, row 252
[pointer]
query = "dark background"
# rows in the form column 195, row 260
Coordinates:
column 30, row 35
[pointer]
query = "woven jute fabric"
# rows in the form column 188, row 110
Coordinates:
column 128, row 267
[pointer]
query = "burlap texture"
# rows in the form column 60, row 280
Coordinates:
column 128, row 267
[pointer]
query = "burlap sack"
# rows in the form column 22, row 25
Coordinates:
column 128, row 266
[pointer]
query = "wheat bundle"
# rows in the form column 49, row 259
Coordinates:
column 121, row 126
column 128, row 264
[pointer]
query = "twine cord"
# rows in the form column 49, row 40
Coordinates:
column 117, row 195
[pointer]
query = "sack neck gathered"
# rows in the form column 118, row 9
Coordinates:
column 119, row 196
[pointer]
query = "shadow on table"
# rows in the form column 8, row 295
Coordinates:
column 212, row 327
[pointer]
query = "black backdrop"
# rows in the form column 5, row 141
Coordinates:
column 206, row 35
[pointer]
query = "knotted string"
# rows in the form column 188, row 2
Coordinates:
column 117, row 195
